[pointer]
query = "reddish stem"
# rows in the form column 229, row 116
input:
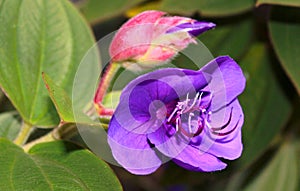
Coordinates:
column 104, row 84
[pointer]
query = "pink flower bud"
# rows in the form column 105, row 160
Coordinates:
column 153, row 38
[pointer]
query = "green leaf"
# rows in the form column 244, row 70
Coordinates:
column 64, row 105
column 53, row 166
column 60, row 99
column 40, row 36
column 213, row 8
column 95, row 10
column 10, row 125
column 281, row 173
column 224, row 40
column 284, row 31
column 264, row 103
column 293, row 3
column 111, row 99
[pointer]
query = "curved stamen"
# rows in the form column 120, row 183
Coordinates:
column 209, row 102
column 199, row 130
column 228, row 132
column 189, row 134
column 225, row 125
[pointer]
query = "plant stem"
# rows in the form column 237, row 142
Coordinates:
column 104, row 84
column 23, row 134
column 46, row 138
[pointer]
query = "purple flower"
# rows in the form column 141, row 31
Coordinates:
column 190, row 117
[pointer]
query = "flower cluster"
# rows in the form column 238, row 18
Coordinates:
column 191, row 117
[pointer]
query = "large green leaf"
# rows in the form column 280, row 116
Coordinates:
column 281, row 173
column 10, row 125
column 285, row 30
column 208, row 7
column 294, row 3
column 96, row 10
column 225, row 40
column 53, row 166
column 264, row 103
column 39, row 36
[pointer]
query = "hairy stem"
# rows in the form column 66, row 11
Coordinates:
column 104, row 84
column 23, row 134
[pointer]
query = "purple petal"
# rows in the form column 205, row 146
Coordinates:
column 145, row 97
column 131, row 150
column 194, row 28
column 193, row 159
column 228, row 80
column 170, row 146
column 230, row 146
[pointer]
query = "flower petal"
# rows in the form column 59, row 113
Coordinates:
column 144, row 99
column 193, row 159
column 131, row 150
column 193, row 28
column 228, row 80
column 135, row 36
column 229, row 146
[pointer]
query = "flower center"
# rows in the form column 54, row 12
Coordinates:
column 191, row 116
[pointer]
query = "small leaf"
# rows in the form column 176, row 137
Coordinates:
column 40, row 36
column 215, row 8
column 60, row 99
column 64, row 105
column 111, row 99
column 284, row 31
column 293, row 3
column 281, row 173
column 10, row 125
column 95, row 10
column 261, row 101
column 53, row 166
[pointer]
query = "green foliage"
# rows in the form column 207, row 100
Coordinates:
column 293, row 3
column 53, row 166
column 111, row 99
column 284, row 31
column 60, row 99
column 214, row 8
column 9, row 125
column 262, row 119
column 95, row 10
column 40, row 36
column 223, row 40
column 281, row 173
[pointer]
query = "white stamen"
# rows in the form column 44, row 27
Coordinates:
column 194, row 102
column 177, row 124
column 189, row 122
column 199, row 99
